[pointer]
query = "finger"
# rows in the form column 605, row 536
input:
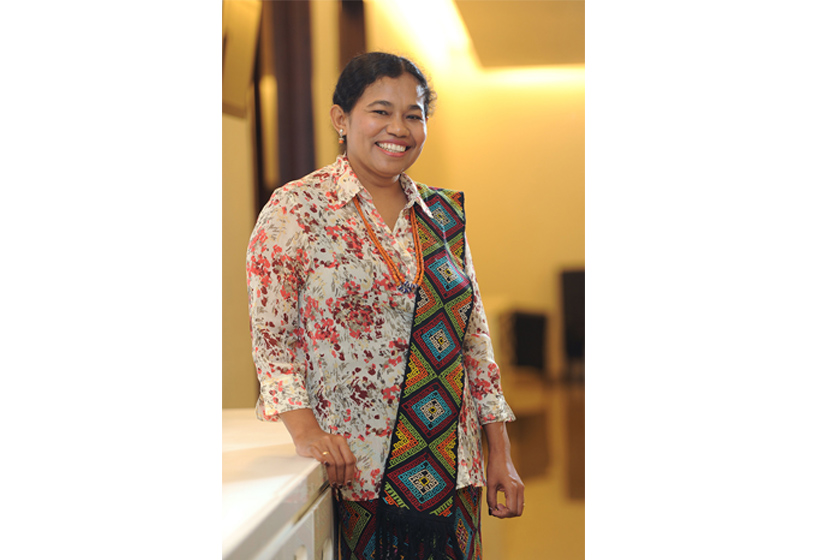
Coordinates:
column 513, row 499
column 502, row 512
column 349, row 463
column 507, row 513
column 497, row 508
column 326, row 458
column 340, row 466
column 492, row 498
column 337, row 477
column 518, row 503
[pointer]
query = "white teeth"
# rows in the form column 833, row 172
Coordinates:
column 391, row 147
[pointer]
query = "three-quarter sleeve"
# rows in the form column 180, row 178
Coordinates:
column 482, row 371
column 275, row 264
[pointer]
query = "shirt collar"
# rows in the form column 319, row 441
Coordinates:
column 347, row 185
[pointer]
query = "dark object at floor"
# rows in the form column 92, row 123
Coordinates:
column 572, row 288
column 529, row 340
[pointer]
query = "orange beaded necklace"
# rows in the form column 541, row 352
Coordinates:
column 403, row 285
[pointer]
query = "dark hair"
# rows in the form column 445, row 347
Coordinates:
column 365, row 69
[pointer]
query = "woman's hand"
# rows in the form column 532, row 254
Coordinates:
column 329, row 449
column 502, row 475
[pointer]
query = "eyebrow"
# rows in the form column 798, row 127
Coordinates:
column 389, row 104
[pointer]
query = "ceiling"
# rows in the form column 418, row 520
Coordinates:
column 509, row 33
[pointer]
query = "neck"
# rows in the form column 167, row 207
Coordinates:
column 375, row 184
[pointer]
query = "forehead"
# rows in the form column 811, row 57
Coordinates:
column 404, row 90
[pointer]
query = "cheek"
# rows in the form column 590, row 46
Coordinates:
column 363, row 128
column 369, row 127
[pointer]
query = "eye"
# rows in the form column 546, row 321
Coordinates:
column 415, row 117
column 380, row 112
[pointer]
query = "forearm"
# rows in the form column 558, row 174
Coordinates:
column 498, row 443
column 301, row 423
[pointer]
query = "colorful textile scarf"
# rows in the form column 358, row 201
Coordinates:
column 418, row 488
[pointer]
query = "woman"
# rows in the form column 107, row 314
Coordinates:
column 369, row 337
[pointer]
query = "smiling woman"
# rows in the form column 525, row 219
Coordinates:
column 381, row 104
column 370, row 339
column 384, row 134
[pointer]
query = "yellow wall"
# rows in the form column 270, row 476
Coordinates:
column 239, row 380
column 325, row 71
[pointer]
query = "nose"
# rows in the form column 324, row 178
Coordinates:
column 396, row 127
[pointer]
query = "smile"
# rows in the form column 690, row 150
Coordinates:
column 393, row 148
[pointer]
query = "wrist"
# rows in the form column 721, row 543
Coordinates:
column 300, row 423
column 498, row 444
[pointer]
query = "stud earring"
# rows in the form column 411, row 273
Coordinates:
column 341, row 136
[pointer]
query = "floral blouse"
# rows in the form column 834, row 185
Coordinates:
column 330, row 330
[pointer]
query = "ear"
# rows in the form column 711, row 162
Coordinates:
column 339, row 118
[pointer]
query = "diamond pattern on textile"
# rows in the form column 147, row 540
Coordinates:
column 440, row 341
column 462, row 533
column 354, row 521
column 444, row 216
column 408, row 443
column 415, row 377
column 422, row 477
column 454, row 376
column 437, row 341
column 429, row 239
column 458, row 310
column 444, row 449
column 424, row 482
column 427, row 302
column 472, row 505
column 457, row 247
column 430, row 410
column 447, row 278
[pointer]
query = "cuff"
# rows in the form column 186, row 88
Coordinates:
column 281, row 392
column 494, row 408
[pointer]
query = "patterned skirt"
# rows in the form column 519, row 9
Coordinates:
column 357, row 528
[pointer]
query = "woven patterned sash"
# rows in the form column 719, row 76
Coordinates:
column 419, row 481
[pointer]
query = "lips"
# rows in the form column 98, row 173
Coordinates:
column 391, row 148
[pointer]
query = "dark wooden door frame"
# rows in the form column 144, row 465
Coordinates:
column 285, row 53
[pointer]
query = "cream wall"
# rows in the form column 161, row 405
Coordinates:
column 325, row 71
column 239, row 381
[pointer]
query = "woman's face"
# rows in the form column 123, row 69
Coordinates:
column 386, row 129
